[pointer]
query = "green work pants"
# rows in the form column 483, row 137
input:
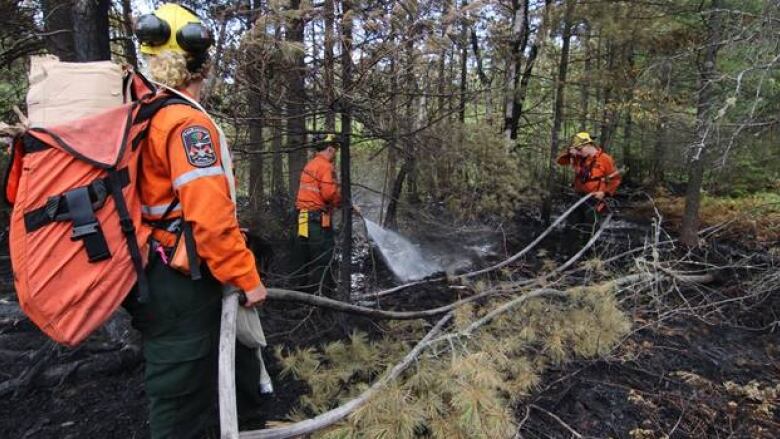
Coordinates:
column 180, row 327
column 311, row 258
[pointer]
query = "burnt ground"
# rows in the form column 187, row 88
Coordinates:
column 667, row 378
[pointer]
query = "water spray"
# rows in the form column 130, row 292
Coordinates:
column 404, row 258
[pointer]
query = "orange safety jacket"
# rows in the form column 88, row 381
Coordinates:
column 181, row 174
column 590, row 173
column 319, row 189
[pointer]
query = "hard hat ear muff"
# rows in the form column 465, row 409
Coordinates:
column 194, row 38
column 151, row 30
column 173, row 27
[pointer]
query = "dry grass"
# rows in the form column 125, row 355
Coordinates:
column 465, row 386
column 750, row 218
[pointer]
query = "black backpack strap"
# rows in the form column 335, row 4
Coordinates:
column 148, row 111
column 57, row 207
column 128, row 229
column 192, row 251
column 85, row 225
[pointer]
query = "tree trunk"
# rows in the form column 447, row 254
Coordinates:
column 296, row 108
column 90, row 30
column 585, row 85
column 600, row 79
column 256, row 171
column 389, row 219
column 483, row 79
column 330, row 114
column 607, row 115
column 276, row 82
column 219, row 51
column 409, row 121
column 395, row 195
column 519, row 28
column 442, row 89
column 464, row 52
column 278, row 162
column 558, row 111
column 59, row 26
column 128, row 44
column 659, row 147
column 517, row 108
column 254, row 86
column 345, row 280
column 78, row 29
column 689, row 233
column 521, row 90
column 627, row 157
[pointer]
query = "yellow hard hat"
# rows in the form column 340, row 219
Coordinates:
column 172, row 27
column 581, row 139
column 322, row 141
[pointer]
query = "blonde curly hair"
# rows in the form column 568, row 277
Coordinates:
column 170, row 68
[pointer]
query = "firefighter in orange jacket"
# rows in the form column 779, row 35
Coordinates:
column 185, row 192
column 594, row 172
column 318, row 195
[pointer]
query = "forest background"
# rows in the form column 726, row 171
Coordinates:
column 463, row 102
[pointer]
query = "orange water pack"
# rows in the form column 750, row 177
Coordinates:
column 76, row 239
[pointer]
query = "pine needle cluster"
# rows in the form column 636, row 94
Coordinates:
column 764, row 399
column 467, row 385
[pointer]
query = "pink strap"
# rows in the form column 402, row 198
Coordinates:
column 161, row 251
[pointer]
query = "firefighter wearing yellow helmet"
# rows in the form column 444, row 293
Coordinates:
column 594, row 173
column 184, row 175
column 175, row 29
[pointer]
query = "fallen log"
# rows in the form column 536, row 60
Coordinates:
column 105, row 363
column 336, row 305
column 101, row 364
column 39, row 360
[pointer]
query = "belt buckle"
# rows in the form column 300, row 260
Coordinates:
column 85, row 230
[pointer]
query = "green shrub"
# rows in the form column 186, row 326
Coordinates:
column 472, row 172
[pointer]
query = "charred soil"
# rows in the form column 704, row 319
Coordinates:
column 676, row 376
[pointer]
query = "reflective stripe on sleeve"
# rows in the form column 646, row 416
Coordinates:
column 159, row 209
column 195, row 174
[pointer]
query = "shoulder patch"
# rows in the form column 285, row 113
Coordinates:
column 198, row 146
